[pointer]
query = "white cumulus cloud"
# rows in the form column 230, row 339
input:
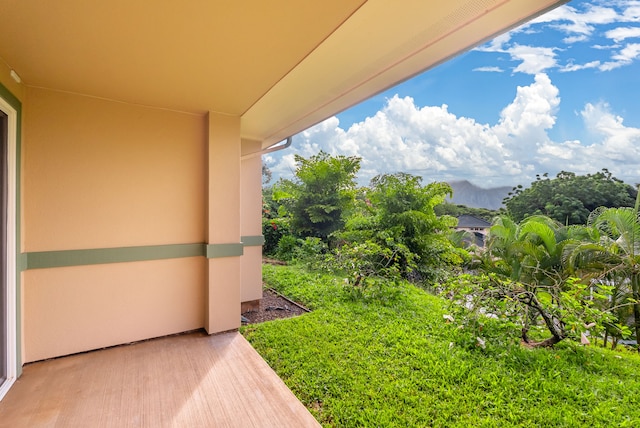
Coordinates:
column 437, row 144
column 583, row 22
column 625, row 56
column 575, row 67
column 572, row 21
column 492, row 69
column 621, row 33
column 533, row 59
column 631, row 12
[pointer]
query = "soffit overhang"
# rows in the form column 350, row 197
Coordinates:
column 281, row 65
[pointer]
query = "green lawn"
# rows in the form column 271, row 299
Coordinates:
column 393, row 360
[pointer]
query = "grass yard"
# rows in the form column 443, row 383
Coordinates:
column 391, row 359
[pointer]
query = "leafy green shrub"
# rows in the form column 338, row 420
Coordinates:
column 366, row 261
column 308, row 251
column 370, row 270
column 566, row 309
column 402, row 233
column 273, row 229
column 286, row 248
column 311, row 251
column 321, row 195
column 311, row 247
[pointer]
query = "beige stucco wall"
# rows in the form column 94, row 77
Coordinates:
column 251, row 185
column 251, row 219
column 74, row 309
column 223, row 290
column 251, row 271
column 101, row 174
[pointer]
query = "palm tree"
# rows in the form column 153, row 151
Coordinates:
column 614, row 253
column 528, row 257
column 503, row 249
column 527, row 263
column 595, row 257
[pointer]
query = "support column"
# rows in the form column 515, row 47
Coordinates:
column 251, row 223
column 224, row 246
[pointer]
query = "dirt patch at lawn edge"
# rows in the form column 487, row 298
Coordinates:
column 273, row 306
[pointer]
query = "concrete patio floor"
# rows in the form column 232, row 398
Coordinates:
column 189, row 380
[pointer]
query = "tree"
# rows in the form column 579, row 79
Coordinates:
column 266, row 175
column 321, row 195
column 455, row 210
column 615, row 254
column 597, row 258
column 569, row 198
column 403, row 202
column 397, row 215
column 524, row 279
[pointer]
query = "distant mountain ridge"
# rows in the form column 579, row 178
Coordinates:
column 467, row 193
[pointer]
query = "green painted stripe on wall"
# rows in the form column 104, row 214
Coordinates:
column 96, row 256
column 51, row 259
column 252, row 241
column 215, row 251
column 22, row 262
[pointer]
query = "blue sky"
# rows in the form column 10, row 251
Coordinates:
column 559, row 93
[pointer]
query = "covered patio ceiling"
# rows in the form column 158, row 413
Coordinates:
column 281, row 65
